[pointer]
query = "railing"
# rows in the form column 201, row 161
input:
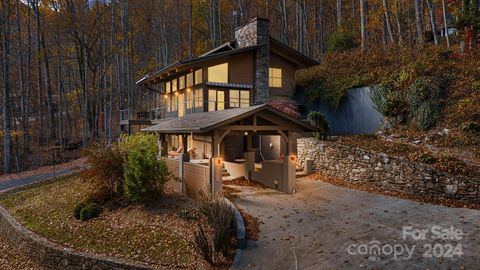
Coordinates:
column 165, row 112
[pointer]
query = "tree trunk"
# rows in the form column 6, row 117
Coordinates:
column 399, row 25
column 445, row 26
column 339, row 13
column 431, row 12
column 387, row 21
column 419, row 21
column 7, row 166
column 363, row 23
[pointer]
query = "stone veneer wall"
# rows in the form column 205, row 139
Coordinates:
column 52, row 256
column 390, row 173
column 256, row 32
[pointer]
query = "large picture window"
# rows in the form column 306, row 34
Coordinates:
column 198, row 76
column 218, row 73
column 275, row 77
column 239, row 98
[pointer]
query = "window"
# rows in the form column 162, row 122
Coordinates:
column 174, row 103
column 190, row 79
column 181, row 105
column 167, row 103
column 189, row 99
column 218, row 73
column 198, row 96
column 274, row 77
column 216, row 100
column 239, row 98
column 167, row 87
column 181, row 82
column 174, row 85
column 198, row 76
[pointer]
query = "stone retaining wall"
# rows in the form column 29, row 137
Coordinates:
column 390, row 173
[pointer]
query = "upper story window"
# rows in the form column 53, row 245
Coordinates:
column 190, row 79
column 218, row 73
column 198, row 96
column 275, row 77
column 174, row 85
column 167, row 87
column 181, row 82
column 239, row 98
column 198, row 76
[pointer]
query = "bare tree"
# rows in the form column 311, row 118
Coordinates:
column 5, row 20
column 431, row 12
column 419, row 21
column 445, row 26
column 387, row 21
column 363, row 22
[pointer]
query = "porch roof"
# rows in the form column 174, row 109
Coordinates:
column 204, row 122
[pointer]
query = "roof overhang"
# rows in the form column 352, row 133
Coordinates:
column 299, row 59
column 205, row 122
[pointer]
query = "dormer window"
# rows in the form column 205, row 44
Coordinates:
column 275, row 77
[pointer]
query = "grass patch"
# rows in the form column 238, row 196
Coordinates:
column 152, row 234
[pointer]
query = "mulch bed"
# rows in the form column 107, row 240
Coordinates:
column 252, row 225
column 242, row 181
column 378, row 190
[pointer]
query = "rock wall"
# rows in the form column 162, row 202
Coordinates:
column 52, row 256
column 390, row 173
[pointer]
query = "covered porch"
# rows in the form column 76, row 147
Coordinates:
column 231, row 141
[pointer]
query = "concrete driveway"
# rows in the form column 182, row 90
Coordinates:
column 328, row 227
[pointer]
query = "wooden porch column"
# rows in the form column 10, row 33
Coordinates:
column 163, row 145
column 184, row 157
column 289, row 164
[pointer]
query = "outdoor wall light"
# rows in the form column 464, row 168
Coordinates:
column 166, row 96
column 219, row 161
column 188, row 89
column 293, row 158
column 246, row 133
column 275, row 182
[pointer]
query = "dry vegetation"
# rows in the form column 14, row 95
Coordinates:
column 158, row 234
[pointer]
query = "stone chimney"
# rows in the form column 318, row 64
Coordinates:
column 256, row 32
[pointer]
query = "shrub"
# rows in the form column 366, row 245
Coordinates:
column 221, row 219
column 425, row 102
column 86, row 210
column 77, row 209
column 341, row 40
column 105, row 169
column 285, row 105
column 145, row 174
column 471, row 128
column 318, row 120
column 427, row 116
column 90, row 210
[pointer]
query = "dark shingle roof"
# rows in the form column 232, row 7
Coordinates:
column 208, row 121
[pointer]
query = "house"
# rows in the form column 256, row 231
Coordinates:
column 233, row 80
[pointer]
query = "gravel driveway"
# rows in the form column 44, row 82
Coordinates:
column 329, row 227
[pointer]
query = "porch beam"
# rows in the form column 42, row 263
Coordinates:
column 253, row 127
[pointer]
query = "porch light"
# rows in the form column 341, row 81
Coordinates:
column 188, row 89
column 246, row 133
column 166, row 96
column 219, row 161
column 293, row 158
column 176, row 93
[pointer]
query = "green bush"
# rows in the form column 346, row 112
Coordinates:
column 86, row 210
column 145, row 174
column 425, row 102
column 90, row 210
column 318, row 120
column 341, row 40
column 77, row 209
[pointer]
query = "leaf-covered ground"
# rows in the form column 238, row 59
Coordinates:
column 12, row 258
column 154, row 234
